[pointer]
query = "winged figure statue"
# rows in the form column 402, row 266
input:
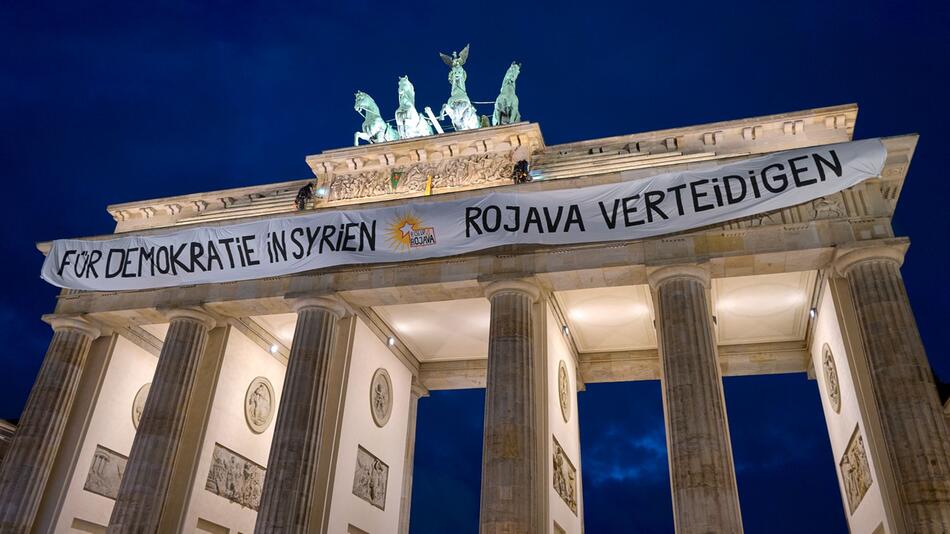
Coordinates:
column 456, row 59
column 458, row 107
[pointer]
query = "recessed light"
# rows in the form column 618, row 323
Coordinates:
column 273, row 349
column 813, row 313
column 391, row 341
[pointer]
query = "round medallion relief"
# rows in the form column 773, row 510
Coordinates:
column 563, row 390
column 259, row 402
column 831, row 378
column 138, row 404
column 381, row 397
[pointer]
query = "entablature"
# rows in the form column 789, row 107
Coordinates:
column 756, row 249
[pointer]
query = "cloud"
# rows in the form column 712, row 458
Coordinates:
column 620, row 456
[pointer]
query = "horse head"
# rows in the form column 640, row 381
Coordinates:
column 407, row 93
column 364, row 102
column 512, row 74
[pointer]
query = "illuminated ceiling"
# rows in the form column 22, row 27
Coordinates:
column 749, row 309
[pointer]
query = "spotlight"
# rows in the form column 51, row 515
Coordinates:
column 565, row 331
column 321, row 192
column 715, row 321
column 273, row 349
column 391, row 341
column 813, row 313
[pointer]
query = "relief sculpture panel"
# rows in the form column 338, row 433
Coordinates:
column 138, row 404
column 466, row 171
column 855, row 471
column 235, row 478
column 105, row 472
column 564, row 390
column 831, row 378
column 381, row 397
column 565, row 477
column 259, row 404
column 370, row 478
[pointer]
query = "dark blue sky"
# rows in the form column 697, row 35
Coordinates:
column 103, row 103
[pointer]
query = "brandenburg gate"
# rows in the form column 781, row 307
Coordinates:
column 252, row 359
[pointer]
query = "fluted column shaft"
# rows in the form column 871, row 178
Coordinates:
column 142, row 493
column 702, row 474
column 511, row 475
column 913, row 425
column 29, row 460
column 288, row 493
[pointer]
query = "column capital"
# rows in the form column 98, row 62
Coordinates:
column 513, row 286
column 73, row 323
column 659, row 276
column 193, row 314
column 418, row 390
column 329, row 303
column 846, row 258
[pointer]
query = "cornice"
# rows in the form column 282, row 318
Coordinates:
column 620, row 157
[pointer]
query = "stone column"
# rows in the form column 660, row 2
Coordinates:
column 144, row 486
column 288, row 493
column 914, row 430
column 415, row 393
column 702, row 474
column 513, row 481
column 29, row 460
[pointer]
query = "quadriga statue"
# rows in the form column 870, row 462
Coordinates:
column 506, row 105
column 409, row 123
column 459, row 108
column 375, row 129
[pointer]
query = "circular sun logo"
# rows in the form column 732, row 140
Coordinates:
column 401, row 229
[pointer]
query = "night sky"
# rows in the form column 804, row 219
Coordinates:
column 102, row 104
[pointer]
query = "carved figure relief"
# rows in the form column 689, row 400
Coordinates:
column 138, row 404
column 259, row 403
column 235, row 478
column 855, row 470
column 381, row 397
column 831, row 378
column 455, row 172
column 369, row 480
column 105, row 472
column 564, row 390
column 565, row 477
column 826, row 208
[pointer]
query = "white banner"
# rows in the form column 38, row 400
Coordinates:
column 426, row 228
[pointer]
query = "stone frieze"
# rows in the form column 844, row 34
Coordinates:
column 448, row 174
column 235, row 478
column 105, row 472
column 370, row 478
column 565, row 477
column 855, row 471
